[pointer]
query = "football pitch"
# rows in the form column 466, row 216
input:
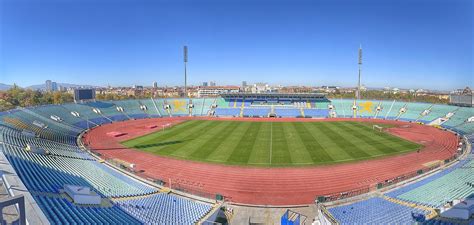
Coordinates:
column 271, row 143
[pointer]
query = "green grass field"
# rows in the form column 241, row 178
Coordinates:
column 271, row 143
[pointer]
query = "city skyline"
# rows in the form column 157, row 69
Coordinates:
column 406, row 44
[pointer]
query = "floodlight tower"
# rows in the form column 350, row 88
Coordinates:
column 185, row 71
column 360, row 65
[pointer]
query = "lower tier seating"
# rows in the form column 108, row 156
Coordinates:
column 165, row 209
column 375, row 211
column 60, row 211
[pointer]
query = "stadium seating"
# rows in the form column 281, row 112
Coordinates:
column 291, row 112
column 222, row 103
column 438, row 111
column 466, row 128
column 408, row 188
column 343, row 107
column 165, row 209
column 58, row 110
column 320, row 113
column 374, row 211
column 460, row 116
column 261, row 112
column 45, row 174
column 179, row 107
column 414, row 111
column 160, row 104
column 321, row 105
column 455, row 182
column 454, row 185
column 132, row 109
column 60, row 211
column 198, row 106
column 86, row 113
column 227, row 112
column 151, row 110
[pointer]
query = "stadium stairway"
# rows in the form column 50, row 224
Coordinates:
column 432, row 212
column 126, row 198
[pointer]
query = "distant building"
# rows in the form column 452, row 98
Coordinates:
column 54, row 86
column 62, row 88
column 261, row 88
column 211, row 91
column 205, row 84
column 244, row 84
column 212, row 83
column 48, row 85
column 329, row 89
column 462, row 97
column 155, row 84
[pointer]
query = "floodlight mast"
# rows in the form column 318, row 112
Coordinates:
column 360, row 65
column 185, row 71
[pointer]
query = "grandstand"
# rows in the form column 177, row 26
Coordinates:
column 132, row 200
column 421, row 197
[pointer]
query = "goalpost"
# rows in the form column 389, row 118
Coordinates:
column 377, row 127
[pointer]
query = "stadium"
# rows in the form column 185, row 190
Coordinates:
column 184, row 161
column 275, row 118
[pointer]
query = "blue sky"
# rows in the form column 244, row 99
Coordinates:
column 407, row 43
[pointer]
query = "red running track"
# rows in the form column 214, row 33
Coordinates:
column 273, row 186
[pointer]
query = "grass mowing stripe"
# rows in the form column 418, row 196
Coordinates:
column 317, row 152
column 171, row 136
column 351, row 149
column 396, row 140
column 260, row 154
column 328, row 144
column 200, row 143
column 367, row 137
column 161, row 135
column 371, row 135
column 189, row 136
column 224, row 150
column 280, row 152
column 298, row 151
column 241, row 152
column 213, row 142
column 294, row 143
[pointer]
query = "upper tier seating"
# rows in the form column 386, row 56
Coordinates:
column 109, row 110
column 151, row 110
column 460, row 116
column 57, row 110
column 132, row 109
column 414, row 111
column 438, row 111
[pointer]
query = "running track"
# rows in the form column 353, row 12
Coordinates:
column 272, row 186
